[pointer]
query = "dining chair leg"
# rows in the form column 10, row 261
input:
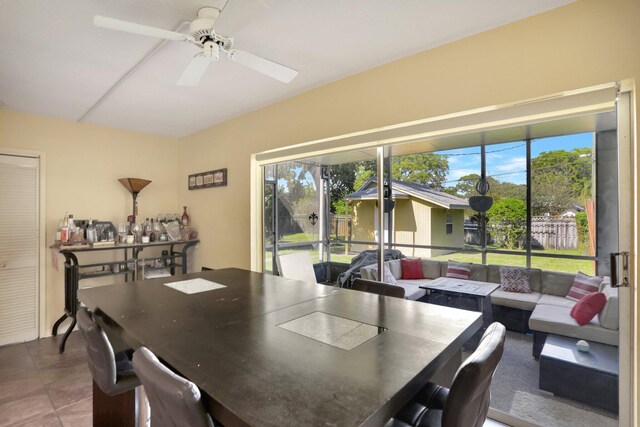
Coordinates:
column 114, row 411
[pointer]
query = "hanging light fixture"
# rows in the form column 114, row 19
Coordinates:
column 482, row 203
column 135, row 186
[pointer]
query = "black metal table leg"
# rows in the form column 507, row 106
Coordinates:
column 71, row 297
column 56, row 325
column 66, row 335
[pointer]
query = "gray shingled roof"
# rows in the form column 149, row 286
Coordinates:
column 402, row 189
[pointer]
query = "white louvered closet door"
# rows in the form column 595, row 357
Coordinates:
column 19, row 210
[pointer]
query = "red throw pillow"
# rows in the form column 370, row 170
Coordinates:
column 588, row 307
column 411, row 268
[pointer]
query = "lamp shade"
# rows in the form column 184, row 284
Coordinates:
column 134, row 185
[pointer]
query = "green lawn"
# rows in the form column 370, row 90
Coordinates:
column 543, row 263
column 550, row 264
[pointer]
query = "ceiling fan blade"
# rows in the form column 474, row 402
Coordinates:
column 195, row 70
column 132, row 27
column 264, row 66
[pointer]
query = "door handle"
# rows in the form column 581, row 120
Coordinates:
column 614, row 269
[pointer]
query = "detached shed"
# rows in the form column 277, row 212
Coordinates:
column 422, row 216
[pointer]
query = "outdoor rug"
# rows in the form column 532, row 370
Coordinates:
column 514, row 390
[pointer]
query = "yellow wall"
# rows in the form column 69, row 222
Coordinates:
column 82, row 165
column 363, row 224
column 411, row 226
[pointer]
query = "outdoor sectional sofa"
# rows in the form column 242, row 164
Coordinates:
column 543, row 311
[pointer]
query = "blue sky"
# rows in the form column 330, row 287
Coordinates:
column 507, row 162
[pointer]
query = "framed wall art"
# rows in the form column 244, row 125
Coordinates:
column 214, row 178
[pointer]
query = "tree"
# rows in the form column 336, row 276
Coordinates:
column 363, row 174
column 426, row 168
column 551, row 193
column 507, row 222
column 576, row 165
column 466, row 187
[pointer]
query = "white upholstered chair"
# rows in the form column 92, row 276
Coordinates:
column 296, row 266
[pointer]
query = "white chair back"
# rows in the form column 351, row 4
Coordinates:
column 296, row 266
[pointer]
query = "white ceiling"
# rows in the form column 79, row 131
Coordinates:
column 55, row 62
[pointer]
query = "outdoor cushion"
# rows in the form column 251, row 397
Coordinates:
column 557, row 320
column 583, row 285
column 412, row 289
column 514, row 279
column 608, row 317
column 588, row 307
column 493, row 276
column 555, row 283
column 478, row 272
column 430, row 269
column 556, row 300
column 458, row 270
column 606, row 280
column 411, row 269
column 395, row 267
column 519, row 300
column 388, row 276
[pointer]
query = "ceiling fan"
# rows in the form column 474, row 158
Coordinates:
column 202, row 34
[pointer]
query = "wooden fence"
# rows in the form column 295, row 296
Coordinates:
column 341, row 226
column 546, row 233
column 554, row 232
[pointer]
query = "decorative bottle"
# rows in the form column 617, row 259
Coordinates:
column 65, row 231
column 185, row 217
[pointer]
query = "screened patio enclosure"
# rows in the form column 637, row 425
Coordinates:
column 553, row 184
column 558, row 169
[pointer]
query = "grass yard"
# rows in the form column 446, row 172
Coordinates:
column 543, row 263
column 550, row 264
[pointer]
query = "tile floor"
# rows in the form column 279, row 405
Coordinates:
column 39, row 387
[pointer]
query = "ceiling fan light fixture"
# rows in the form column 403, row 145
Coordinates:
column 211, row 50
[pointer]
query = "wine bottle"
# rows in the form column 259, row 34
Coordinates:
column 185, row 217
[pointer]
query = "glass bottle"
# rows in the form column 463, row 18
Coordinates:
column 92, row 235
column 72, row 227
column 157, row 230
column 59, row 231
column 151, row 231
column 65, row 231
column 185, row 216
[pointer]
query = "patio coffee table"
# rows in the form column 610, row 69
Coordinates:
column 456, row 293
column 590, row 378
column 465, row 294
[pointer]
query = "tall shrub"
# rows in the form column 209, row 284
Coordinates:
column 507, row 220
column 582, row 226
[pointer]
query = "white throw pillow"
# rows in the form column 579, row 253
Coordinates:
column 388, row 277
column 608, row 316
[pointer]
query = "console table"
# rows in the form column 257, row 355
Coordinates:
column 73, row 275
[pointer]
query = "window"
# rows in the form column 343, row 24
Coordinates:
column 449, row 223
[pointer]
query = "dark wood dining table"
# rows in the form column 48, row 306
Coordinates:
column 259, row 361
